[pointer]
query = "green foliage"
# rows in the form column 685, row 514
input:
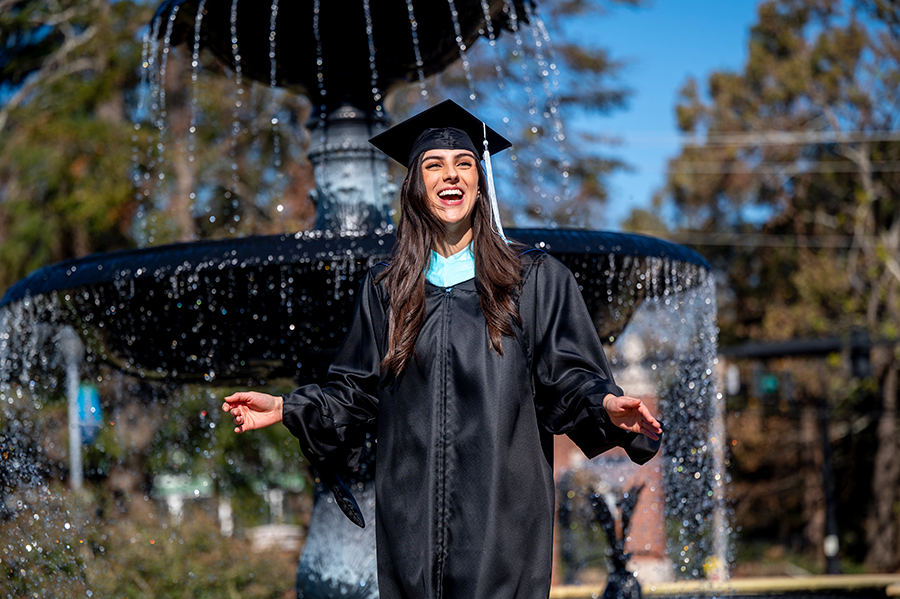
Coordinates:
column 190, row 560
column 641, row 220
column 120, row 541
column 822, row 75
column 53, row 545
column 796, row 168
column 224, row 179
column 77, row 176
column 41, row 548
column 196, row 437
column 66, row 143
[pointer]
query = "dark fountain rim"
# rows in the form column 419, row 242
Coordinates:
column 199, row 256
column 347, row 66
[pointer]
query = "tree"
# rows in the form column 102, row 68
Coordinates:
column 225, row 156
column 65, row 143
column 796, row 158
column 88, row 161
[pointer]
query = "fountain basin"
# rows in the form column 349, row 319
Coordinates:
column 275, row 306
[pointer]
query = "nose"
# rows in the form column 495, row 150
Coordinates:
column 450, row 173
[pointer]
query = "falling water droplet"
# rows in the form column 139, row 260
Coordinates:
column 320, row 75
column 273, row 84
column 454, row 15
column 376, row 92
column 161, row 94
column 195, row 76
column 550, row 82
column 414, row 29
column 492, row 37
column 238, row 81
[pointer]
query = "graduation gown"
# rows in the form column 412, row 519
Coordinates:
column 464, row 451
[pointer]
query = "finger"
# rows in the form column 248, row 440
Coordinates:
column 649, row 432
column 238, row 397
column 625, row 404
column 645, row 412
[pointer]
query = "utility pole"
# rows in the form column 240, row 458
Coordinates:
column 72, row 350
column 831, row 544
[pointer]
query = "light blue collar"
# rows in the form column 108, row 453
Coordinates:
column 447, row 272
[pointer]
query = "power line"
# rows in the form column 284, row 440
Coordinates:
column 765, row 138
column 792, row 138
column 701, row 238
column 783, row 168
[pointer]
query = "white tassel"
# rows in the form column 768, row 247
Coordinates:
column 492, row 193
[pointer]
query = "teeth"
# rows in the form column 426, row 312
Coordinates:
column 448, row 192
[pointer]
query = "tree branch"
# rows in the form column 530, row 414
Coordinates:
column 892, row 243
column 56, row 19
column 8, row 4
column 72, row 43
column 43, row 78
column 49, row 71
column 893, row 267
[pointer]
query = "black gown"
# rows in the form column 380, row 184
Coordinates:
column 464, row 451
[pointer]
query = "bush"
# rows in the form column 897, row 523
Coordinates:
column 51, row 545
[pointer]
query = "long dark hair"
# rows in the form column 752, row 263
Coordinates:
column 497, row 272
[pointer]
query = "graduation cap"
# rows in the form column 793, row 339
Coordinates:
column 445, row 126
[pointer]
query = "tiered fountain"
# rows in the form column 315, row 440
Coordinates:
column 246, row 311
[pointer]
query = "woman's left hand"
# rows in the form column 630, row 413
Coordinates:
column 630, row 414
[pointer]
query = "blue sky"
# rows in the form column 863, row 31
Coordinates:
column 663, row 43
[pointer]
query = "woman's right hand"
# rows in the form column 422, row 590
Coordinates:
column 251, row 410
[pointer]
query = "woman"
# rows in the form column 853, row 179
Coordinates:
column 466, row 354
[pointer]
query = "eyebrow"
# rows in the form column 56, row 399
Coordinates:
column 456, row 156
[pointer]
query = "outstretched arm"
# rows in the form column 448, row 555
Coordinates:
column 575, row 391
column 630, row 414
column 251, row 410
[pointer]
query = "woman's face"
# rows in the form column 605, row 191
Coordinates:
column 451, row 179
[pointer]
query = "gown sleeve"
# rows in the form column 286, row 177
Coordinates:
column 572, row 375
column 331, row 421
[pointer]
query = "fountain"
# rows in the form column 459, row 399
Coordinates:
column 252, row 310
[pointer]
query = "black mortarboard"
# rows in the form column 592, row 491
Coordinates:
column 445, row 126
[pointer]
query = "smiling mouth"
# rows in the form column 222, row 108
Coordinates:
column 451, row 196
